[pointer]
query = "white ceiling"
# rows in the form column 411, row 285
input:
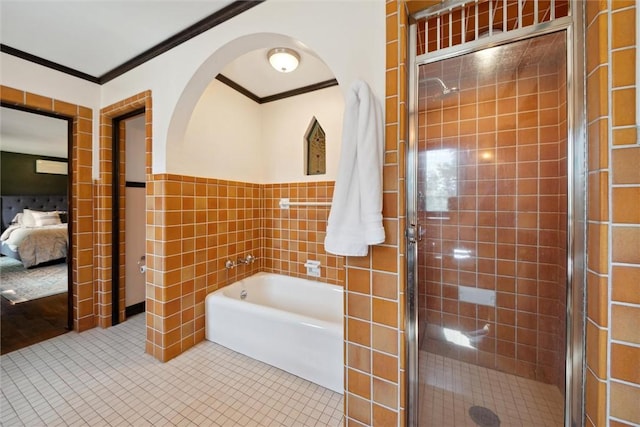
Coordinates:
column 253, row 72
column 96, row 36
column 23, row 132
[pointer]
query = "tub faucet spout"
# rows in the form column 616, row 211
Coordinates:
column 249, row 259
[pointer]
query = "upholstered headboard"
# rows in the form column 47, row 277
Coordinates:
column 12, row 205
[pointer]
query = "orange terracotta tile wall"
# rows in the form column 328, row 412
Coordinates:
column 196, row 224
column 81, row 196
column 103, row 205
column 293, row 236
column 507, row 130
column 613, row 280
column 374, row 323
column 193, row 226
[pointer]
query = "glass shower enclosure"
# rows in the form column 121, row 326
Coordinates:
column 490, row 247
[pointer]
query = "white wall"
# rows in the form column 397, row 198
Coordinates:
column 135, row 149
column 27, row 76
column 135, row 245
column 232, row 137
column 284, row 124
column 223, row 138
column 348, row 36
column 135, row 213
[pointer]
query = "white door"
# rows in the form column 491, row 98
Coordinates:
column 135, row 215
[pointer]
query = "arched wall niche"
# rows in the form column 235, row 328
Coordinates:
column 199, row 220
column 346, row 35
column 211, row 67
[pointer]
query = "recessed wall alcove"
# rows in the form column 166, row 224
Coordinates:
column 230, row 167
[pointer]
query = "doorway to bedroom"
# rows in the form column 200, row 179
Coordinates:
column 34, row 189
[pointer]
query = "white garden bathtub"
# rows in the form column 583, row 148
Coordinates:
column 290, row 323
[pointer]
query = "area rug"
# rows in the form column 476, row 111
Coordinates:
column 19, row 284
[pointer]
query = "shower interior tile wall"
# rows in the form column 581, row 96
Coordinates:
column 200, row 223
column 509, row 132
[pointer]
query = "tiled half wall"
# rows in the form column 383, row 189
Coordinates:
column 196, row 224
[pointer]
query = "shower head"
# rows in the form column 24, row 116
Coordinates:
column 446, row 90
column 450, row 90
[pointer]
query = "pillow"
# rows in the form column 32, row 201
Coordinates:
column 17, row 220
column 45, row 218
column 28, row 220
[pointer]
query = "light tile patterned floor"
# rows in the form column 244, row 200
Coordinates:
column 448, row 388
column 102, row 377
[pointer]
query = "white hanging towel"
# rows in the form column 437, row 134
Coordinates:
column 355, row 219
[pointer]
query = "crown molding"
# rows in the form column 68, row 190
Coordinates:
column 232, row 10
column 278, row 96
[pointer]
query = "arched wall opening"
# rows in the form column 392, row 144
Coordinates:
column 202, row 218
column 211, row 67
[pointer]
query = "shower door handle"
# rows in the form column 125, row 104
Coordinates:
column 414, row 234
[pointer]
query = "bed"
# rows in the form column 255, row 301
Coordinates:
column 40, row 234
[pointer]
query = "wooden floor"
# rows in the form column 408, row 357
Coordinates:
column 31, row 322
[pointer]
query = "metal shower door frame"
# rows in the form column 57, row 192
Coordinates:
column 573, row 26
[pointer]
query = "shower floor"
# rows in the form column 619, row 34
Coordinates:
column 448, row 388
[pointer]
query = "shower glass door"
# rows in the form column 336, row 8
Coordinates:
column 492, row 261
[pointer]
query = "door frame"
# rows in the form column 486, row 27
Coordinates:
column 70, row 159
column 117, row 176
column 573, row 26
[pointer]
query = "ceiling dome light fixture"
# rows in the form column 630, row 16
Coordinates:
column 283, row 59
